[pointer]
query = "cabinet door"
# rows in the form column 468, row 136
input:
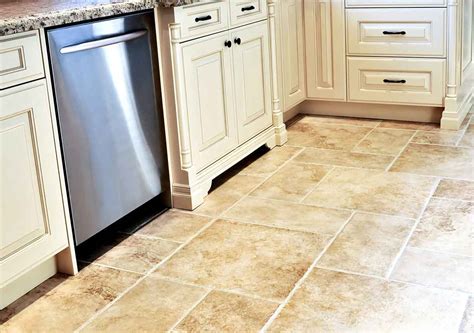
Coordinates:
column 325, row 51
column 32, row 220
column 292, row 44
column 251, row 63
column 209, row 98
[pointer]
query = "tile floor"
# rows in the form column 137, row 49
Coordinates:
column 356, row 225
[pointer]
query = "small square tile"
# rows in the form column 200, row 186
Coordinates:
column 225, row 312
column 455, row 189
column 368, row 244
column 435, row 269
column 292, row 182
column 384, row 141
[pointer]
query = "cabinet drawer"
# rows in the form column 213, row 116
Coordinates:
column 242, row 12
column 396, row 80
column 404, row 32
column 202, row 18
column 20, row 59
column 396, row 3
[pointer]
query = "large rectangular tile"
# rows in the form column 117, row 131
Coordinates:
column 289, row 215
column 455, row 189
column 252, row 259
column 441, row 270
column 154, row 305
column 337, row 302
column 384, row 141
column 453, row 162
column 267, row 163
column 368, row 244
column 63, row 304
column 373, row 191
column 446, row 225
column 225, row 312
column 292, row 182
column 344, row 158
column 327, row 136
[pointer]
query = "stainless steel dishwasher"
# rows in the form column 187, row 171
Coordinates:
column 106, row 84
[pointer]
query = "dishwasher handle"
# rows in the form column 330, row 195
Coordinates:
column 102, row 42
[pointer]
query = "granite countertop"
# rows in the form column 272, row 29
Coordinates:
column 23, row 15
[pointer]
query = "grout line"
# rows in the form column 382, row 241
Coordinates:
column 338, row 270
column 190, row 310
column 362, row 140
column 347, row 151
column 303, row 278
column 347, row 166
column 451, row 199
column 401, row 151
column 396, row 260
column 110, row 267
column 441, row 252
column 458, row 141
column 416, row 284
column 316, row 186
column 138, row 234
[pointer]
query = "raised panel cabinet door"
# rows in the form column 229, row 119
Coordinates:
column 325, row 49
column 251, row 64
column 209, row 98
column 292, row 44
column 32, row 217
column 396, row 3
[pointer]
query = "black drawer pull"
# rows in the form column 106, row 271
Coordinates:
column 394, row 81
column 245, row 9
column 228, row 43
column 394, row 32
column 203, row 18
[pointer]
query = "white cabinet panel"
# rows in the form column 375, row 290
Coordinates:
column 396, row 3
column 325, row 49
column 251, row 64
column 209, row 98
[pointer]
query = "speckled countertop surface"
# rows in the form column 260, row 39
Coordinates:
column 23, row 15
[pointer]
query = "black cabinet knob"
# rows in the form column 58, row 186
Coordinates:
column 228, row 43
column 237, row 41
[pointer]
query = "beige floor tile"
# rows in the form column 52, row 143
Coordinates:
column 468, row 138
column 292, row 182
column 343, row 158
column 338, row 302
column 467, row 325
column 225, row 312
column 434, row 160
column 364, row 122
column 227, row 193
column 368, row 244
column 448, row 138
column 327, row 136
column 130, row 252
column 384, row 141
column 174, row 225
column 269, row 162
column 289, row 215
column 446, row 225
column 252, row 259
column 435, row 269
column 63, row 304
column 154, row 305
column 373, row 191
column 455, row 189
column 409, row 125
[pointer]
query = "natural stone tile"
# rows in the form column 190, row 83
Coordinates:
column 63, row 304
column 292, row 182
column 343, row 158
column 154, row 305
column 453, row 162
column 129, row 252
column 268, row 162
column 368, row 244
column 225, row 312
column 409, row 125
column 350, row 121
column 174, row 225
column 468, row 138
column 446, row 225
column 447, row 138
column 252, row 259
column 227, row 193
column 384, row 141
column 327, row 136
column 289, row 215
column 433, row 269
column 467, row 324
column 455, row 189
column 337, row 302
column 373, row 191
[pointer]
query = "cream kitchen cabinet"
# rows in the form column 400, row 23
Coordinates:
column 292, row 51
column 325, row 49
